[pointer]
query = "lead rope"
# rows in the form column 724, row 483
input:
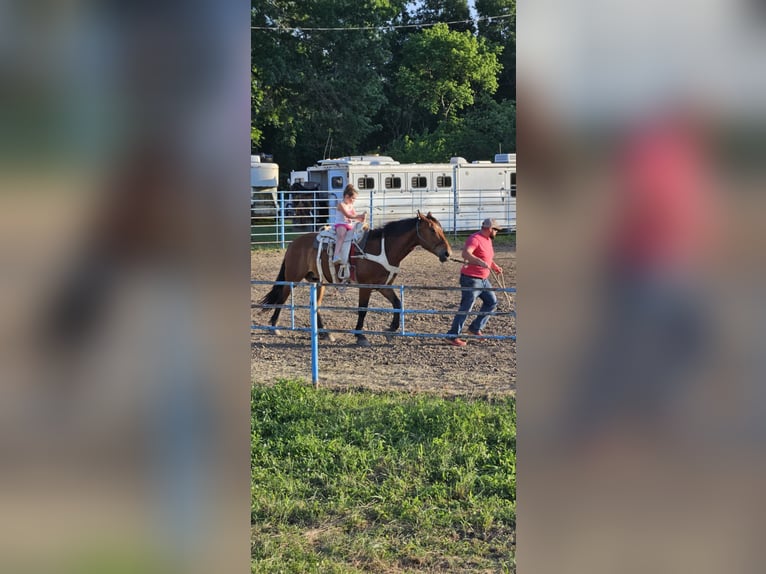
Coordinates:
column 501, row 282
column 498, row 279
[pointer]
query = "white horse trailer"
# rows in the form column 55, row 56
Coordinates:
column 264, row 179
column 460, row 194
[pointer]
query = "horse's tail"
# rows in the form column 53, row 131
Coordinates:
column 273, row 297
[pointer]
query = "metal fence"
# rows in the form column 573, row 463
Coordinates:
column 291, row 306
column 278, row 218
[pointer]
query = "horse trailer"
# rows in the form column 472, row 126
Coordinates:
column 264, row 180
column 460, row 194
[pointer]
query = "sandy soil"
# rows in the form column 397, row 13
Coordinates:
column 482, row 368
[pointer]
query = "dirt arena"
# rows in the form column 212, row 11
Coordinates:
column 482, row 368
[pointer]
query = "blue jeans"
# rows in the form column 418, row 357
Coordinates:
column 474, row 287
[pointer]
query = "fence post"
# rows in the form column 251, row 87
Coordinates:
column 314, row 335
column 370, row 219
column 455, row 208
column 281, row 219
column 401, row 310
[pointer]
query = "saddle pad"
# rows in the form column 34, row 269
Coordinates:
column 327, row 236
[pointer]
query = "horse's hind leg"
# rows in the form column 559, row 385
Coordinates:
column 285, row 293
column 396, row 303
column 320, row 323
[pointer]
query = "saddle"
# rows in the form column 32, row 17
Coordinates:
column 326, row 236
column 325, row 241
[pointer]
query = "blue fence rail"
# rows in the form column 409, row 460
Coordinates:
column 291, row 306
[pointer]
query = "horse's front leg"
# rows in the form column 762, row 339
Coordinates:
column 396, row 303
column 364, row 301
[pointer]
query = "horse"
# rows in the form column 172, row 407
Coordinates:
column 399, row 239
column 311, row 207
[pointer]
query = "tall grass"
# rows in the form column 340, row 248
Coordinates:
column 364, row 482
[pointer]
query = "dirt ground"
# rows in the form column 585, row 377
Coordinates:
column 482, row 368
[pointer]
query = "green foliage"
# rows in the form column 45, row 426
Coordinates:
column 319, row 85
column 442, row 70
column 349, row 482
column 429, row 11
column 256, row 103
column 486, row 129
column 348, row 91
column 501, row 33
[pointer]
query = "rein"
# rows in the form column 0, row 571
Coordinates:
column 382, row 259
column 417, row 230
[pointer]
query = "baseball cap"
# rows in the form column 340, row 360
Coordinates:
column 491, row 223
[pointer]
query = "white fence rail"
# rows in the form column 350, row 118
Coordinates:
column 280, row 217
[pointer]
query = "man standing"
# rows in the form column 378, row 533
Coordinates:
column 478, row 254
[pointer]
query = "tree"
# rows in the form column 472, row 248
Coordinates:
column 501, row 32
column 485, row 129
column 441, row 70
column 318, row 86
column 361, row 85
column 431, row 11
column 256, row 101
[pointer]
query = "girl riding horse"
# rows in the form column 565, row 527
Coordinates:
column 385, row 249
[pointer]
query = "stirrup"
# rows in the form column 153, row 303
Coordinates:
column 344, row 272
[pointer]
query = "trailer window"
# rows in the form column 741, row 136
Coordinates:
column 419, row 181
column 393, row 183
column 513, row 184
column 337, row 182
column 444, row 181
column 365, row 183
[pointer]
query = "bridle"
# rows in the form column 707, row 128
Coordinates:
column 420, row 237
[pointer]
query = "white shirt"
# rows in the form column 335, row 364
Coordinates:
column 340, row 218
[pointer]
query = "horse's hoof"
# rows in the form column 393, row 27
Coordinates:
column 389, row 337
column 277, row 332
column 327, row 337
column 362, row 342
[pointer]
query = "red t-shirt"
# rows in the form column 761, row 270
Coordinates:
column 484, row 250
column 665, row 211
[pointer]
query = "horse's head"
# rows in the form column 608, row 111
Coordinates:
column 431, row 236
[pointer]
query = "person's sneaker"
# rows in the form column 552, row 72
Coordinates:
column 479, row 334
column 456, row 342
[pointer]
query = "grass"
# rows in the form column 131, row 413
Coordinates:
column 361, row 482
column 502, row 238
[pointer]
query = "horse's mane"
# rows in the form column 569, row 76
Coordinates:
column 393, row 228
column 399, row 227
